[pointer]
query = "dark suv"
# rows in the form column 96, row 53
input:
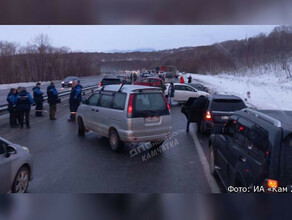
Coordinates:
column 253, row 149
column 218, row 109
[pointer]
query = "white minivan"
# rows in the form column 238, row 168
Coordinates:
column 126, row 113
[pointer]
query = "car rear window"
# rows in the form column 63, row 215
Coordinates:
column 119, row 101
column 110, row 81
column 227, row 105
column 149, row 104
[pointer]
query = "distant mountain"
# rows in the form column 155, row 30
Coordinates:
column 130, row 51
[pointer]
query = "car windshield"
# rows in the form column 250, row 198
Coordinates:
column 148, row 104
column 227, row 105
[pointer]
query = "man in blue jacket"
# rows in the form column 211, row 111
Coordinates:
column 53, row 98
column 75, row 99
column 11, row 99
column 38, row 99
column 23, row 105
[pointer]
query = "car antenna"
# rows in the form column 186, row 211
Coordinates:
column 121, row 87
column 101, row 89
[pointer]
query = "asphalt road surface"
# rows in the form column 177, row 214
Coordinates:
column 85, row 81
column 66, row 163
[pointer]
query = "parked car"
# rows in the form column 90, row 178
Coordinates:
column 217, row 111
column 199, row 87
column 150, row 81
column 147, row 74
column 170, row 77
column 253, row 149
column 127, row 113
column 15, row 167
column 183, row 92
column 110, row 80
column 68, row 81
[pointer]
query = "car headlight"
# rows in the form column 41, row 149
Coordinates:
column 26, row 149
column 63, row 82
column 70, row 82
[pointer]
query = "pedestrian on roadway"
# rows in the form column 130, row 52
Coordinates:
column 190, row 79
column 181, row 80
column 38, row 99
column 53, row 99
column 23, row 105
column 75, row 99
column 11, row 99
column 135, row 77
column 195, row 112
column 170, row 93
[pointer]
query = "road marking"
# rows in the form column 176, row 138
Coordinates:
column 204, row 162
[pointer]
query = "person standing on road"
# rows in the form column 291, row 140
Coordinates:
column 135, row 77
column 23, row 105
column 170, row 93
column 75, row 99
column 11, row 99
column 195, row 112
column 53, row 98
column 190, row 79
column 181, row 80
column 38, row 99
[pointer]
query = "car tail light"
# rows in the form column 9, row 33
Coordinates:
column 99, row 84
column 208, row 116
column 130, row 106
column 168, row 106
column 272, row 183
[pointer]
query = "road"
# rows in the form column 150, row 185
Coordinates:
column 66, row 163
column 85, row 81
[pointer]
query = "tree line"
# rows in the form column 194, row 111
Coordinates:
column 40, row 61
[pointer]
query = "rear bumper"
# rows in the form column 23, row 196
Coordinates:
column 209, row 125
column 129, row 137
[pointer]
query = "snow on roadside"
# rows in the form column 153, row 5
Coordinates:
column 15, row 85
column 267, row 91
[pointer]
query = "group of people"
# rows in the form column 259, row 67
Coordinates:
column 20, row 102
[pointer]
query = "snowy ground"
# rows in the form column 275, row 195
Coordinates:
column 267, row 90
column 15, row 85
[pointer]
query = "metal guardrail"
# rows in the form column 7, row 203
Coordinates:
column 3, row 108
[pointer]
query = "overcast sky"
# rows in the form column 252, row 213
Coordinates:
column 126, row 37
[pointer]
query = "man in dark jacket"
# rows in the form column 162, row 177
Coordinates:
column 190, row 79
column 75, row 99
column 53, row 98
column 23, row 104
column 11, row 99
column 38, row 99
column 195, row 112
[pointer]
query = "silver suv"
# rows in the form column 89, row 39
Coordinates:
column 127, row 113
column 15, row 167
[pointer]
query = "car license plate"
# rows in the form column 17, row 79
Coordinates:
column 225, row 117
column 152, row 119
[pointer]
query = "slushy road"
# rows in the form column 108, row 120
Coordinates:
column 66, row 163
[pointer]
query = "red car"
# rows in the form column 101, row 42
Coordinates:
column 150, row 81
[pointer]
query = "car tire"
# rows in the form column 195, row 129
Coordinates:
column 81, row 128
column 114, row 140
column 212, row 160
column 21, row 181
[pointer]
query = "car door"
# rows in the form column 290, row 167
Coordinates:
column 105, row 107
column 91, row 112
column 189, row 92
column 238, row 156
column 224, row 149
column 5, row 169
column 178, row 93
column 257, row 155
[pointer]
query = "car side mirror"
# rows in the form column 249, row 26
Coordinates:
column 10, row 151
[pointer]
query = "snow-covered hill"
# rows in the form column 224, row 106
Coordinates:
column 267, row 91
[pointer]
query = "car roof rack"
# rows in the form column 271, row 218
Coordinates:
column 121, row 87
column 263, row 116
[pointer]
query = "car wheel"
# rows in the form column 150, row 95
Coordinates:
column 212, row 160
column 156, row 144
column 81, row 128
column 21, row 181
column 115, row 142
